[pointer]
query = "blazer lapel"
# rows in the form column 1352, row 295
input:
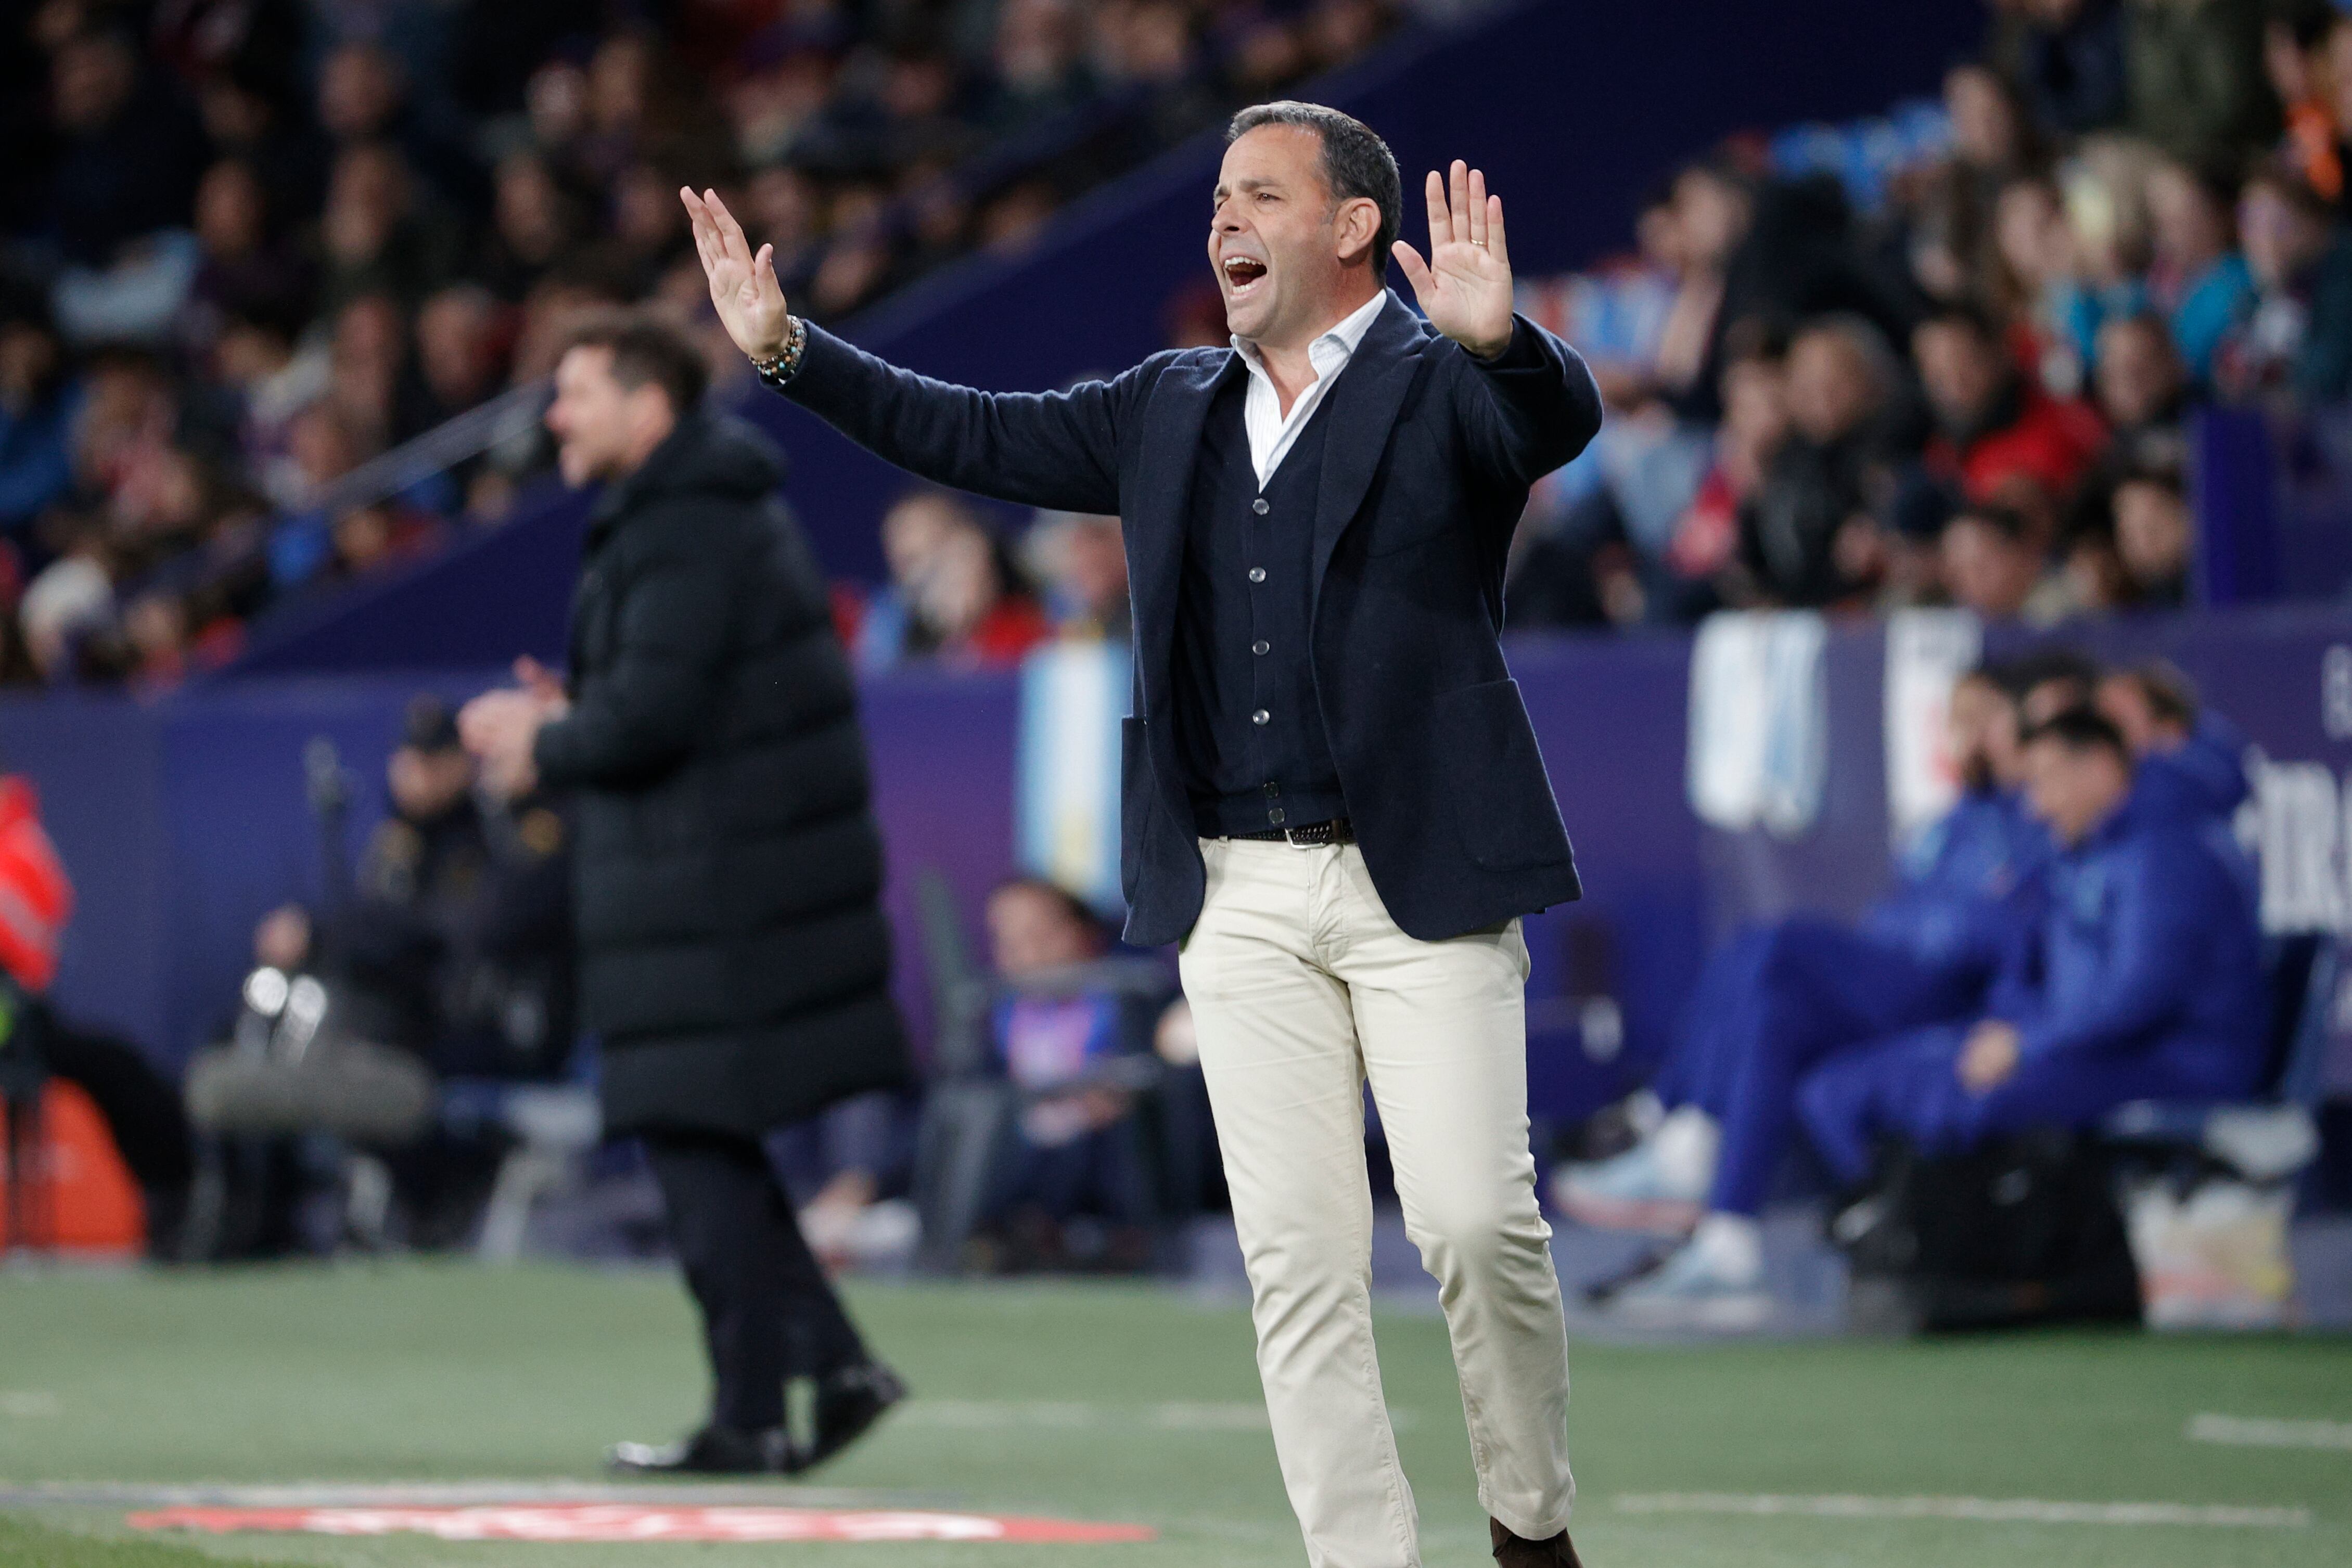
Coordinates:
column 1155, row 517
column 1362, row 407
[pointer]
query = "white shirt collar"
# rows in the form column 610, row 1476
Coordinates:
column 1344, row 337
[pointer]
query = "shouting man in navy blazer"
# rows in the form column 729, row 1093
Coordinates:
column 1332, row 797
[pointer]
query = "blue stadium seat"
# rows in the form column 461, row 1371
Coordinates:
column 2274, row 1138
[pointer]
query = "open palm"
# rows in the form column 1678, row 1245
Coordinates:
column 743, row 287
column 1465, row 286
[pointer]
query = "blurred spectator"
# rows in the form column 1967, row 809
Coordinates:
column 1706, row 541
column 2143, row 391
column 2336, row 73
column 1808, row 536
column 246, row 267
column 2197, row 85
column 1077, row 1151
column 1780, row 253
column 2296, row 55
column 1081, row 560
column 226, row 195
column 458, row 351
column 40, row 399
column 126, row 162
column 1992, row 561
column 953, row 592
column 2294, row 342
column 1993, row 426
column 2199, row 279
column 2066, row 60
column 2154, row 536
column 378, row 233
column 2035, row 283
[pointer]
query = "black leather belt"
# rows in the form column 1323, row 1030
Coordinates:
column 1337, row 831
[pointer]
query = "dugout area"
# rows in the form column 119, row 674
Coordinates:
column 1093, row 1405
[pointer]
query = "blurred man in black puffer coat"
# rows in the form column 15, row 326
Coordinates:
column 733, row 956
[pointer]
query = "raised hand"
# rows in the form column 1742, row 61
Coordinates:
column 1465, row 286
column 744, row 286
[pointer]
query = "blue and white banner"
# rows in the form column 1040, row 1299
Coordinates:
column 1760, row 721
column 1927, row 651
column 1073, row 696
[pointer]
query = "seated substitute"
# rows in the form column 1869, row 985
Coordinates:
column 2190, row 758
column 2144, row 979
column 1780, row 998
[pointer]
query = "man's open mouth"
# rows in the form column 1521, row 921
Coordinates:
column 1242, row 272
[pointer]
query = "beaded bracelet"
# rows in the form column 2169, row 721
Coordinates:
column 779, row 371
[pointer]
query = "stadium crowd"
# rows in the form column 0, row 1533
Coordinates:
column 248, row 246
column 1966, row 378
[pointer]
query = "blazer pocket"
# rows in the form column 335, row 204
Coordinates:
column 1502, row 800
column 1138, row 798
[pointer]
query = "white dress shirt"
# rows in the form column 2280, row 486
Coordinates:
column 1271, row 433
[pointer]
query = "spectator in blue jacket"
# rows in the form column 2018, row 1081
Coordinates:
column 1784, row 998
column 2144, row 979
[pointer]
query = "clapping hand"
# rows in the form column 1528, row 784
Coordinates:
column 744, row 286
column 1465, row 286
column 1989, row 1058
column 500, row 728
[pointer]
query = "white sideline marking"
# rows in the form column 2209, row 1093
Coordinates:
column 29, row 1402
column 1984, row 1509
column 2261, row 1432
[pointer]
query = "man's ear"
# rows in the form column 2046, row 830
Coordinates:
column 1356, row 226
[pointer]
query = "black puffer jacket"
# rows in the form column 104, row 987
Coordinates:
column 733, row 953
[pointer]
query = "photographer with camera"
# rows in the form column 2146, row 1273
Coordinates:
column 449, row 957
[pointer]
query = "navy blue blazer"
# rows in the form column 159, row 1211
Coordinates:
column 1430, row 454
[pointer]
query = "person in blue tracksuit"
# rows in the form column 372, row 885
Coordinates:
column 2144, row 979
column 1778, row 998
column 2190, row 758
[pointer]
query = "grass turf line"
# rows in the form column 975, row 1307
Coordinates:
column 28, row 1545
column 449, row 1373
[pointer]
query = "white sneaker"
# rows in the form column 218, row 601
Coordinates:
column 1691, row 1288
column 1637, row 1190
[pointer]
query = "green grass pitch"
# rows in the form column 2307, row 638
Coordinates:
column 1115, row 1403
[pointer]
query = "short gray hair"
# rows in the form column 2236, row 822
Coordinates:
column 1356, row 162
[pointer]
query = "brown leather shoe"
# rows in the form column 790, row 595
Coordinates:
column 1518, row 1552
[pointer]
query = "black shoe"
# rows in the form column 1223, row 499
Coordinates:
column 713, row 1451
column 848, row 1403
column 1518, row 1551
column 1603, row 1290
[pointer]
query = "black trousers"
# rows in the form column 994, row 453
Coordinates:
column 141, row 1109
column 768, row 1313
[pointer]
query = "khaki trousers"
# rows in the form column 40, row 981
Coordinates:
column 1303, row 990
